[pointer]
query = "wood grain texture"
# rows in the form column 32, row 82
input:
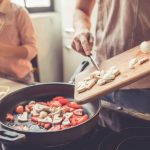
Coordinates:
column 127, row 76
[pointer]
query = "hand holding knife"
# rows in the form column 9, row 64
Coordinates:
column 94, row 62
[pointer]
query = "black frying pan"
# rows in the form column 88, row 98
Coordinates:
column 44, row 139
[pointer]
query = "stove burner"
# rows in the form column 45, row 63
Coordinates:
column 127, row 139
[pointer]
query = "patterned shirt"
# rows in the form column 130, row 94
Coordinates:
column 122, row 25
column 17, row 29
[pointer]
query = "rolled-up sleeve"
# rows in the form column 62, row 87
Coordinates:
column 26, row 33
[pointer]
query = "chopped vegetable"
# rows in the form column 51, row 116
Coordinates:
column 58, row 114
column 20, row 109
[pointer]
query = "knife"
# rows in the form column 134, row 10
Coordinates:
column 94, row 62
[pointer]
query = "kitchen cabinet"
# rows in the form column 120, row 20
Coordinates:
column 71, row 59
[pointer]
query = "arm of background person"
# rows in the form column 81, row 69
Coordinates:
column 27, row 49
column 83, row 39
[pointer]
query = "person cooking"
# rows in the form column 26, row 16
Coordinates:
column 17, row 42
column 121, row 25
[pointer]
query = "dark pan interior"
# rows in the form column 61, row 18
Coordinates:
column 42, row 92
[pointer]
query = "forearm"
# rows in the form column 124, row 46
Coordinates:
column 81, row 20
column 82, row 14
column 27, row 52
column 10, row 51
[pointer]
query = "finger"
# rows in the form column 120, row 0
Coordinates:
column 91, row 39
column 85, row 44
column 76, row 44
column 78, row 47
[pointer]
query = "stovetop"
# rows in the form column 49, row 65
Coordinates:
column 135, row 137
column 89, row 142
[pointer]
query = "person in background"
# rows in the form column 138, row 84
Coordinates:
column 121, row 25
column 17, row 42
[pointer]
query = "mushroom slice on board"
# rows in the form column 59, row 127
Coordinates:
column 90, row 83
column 143, row 60
column 82, row 87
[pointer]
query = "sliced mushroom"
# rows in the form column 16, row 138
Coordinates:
column 108, row 77
column 46, row 120
column 66, row 122
column 68, row 115
column 82, row 88
column 90, row 83
column 57, row 120
column 34, row 113
column 101, row 82
column 143, row 60
column 43, row 114
column 132, row 63
column 94, row 74
column 39, row 107
column 23, row 117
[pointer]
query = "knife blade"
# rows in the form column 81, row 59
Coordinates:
column 94, row 62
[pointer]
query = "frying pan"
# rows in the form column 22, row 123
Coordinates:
column 45, row 92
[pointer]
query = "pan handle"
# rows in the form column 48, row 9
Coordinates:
column 79, row 69
column 11, row 136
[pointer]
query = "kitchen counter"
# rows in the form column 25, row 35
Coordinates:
column 11, row 84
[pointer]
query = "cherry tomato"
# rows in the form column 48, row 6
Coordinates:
column 9, row 117
column 47, row 125
column 65, row 108
column 73, row 121
column 57, row 98
column 63, row 101
column 34, row 119
column 54, row 104
column 83, row 119
column 55, row 128
column 71, row 109
column 20, row 109
column 64, row 127
column 42, row 124
column 74, row 105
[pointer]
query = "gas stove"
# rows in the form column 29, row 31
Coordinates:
column 135, row 136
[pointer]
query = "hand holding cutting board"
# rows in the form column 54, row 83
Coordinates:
column 140, row 69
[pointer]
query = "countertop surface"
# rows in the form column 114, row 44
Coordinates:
column 12, row 85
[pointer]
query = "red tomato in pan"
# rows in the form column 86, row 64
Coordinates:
column 64, row 127
column 83, row 119
column 9, row 117
column 47, row 125
column 58, row 97
column 34, row 119
column 20, row 109
column 65, row 108
column 75, row 120
column 54, row 104
column 74, row 105
column 63, row 101
column 55, row 128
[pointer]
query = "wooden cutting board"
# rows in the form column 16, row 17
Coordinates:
column 126, row 77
